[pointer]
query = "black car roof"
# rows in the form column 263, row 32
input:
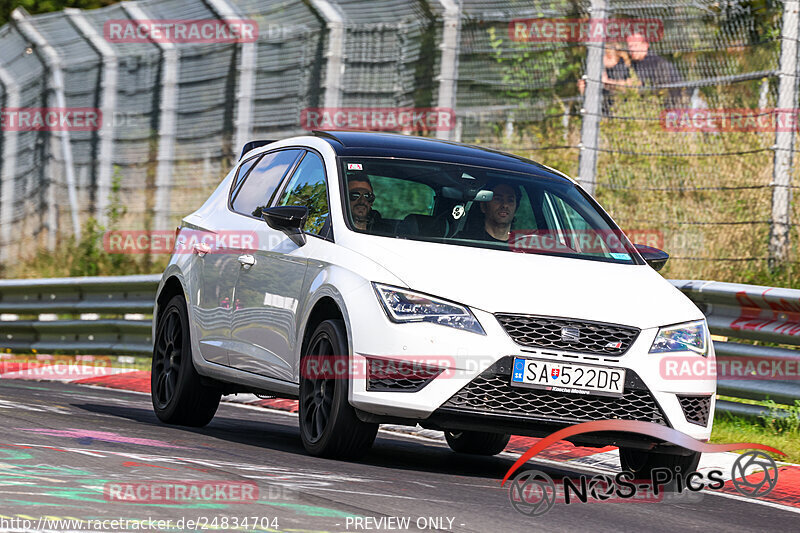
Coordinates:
column 366, row 144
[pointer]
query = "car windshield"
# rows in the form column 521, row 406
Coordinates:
column 478, row 207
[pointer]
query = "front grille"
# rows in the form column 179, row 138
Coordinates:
column 389, row 375
column 490, row 392
column 546, row 332
column 696, row 408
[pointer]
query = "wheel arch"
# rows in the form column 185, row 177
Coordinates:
column 325, row 308
column 172, row 287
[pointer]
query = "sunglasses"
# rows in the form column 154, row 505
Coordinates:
column 368, row 196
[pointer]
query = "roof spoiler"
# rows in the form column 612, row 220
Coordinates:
column 252, row 145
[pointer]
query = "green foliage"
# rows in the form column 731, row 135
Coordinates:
column 729, row 429
column 779, row 423
column 314, row 196
column 522, row 67
column 47, row 6
column 87, row 256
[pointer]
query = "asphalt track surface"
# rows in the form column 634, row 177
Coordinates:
column 62, row 444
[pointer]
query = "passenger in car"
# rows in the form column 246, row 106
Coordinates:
column 497, row 215
column 361, row 199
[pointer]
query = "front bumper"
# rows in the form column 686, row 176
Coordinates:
column 476, row 393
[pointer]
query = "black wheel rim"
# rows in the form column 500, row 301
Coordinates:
column 317, row 392
column 167, row 358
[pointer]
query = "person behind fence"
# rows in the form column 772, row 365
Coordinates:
column 616, row 74
column 498, row 214
column 362, row 197
column 653, row 70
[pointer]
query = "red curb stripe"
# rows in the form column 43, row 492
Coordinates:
column 785, row 491
column 558, row 450
column 137, row 380
column 281, row 404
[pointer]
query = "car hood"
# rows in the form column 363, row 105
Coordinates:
column 501, row 281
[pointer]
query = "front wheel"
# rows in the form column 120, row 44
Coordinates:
column 476, row 442
column 642, row 463
column 176, row 391
column 329, row 426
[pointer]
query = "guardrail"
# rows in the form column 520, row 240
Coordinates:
column 108, row 314
column 113, row 315
column 754, row 313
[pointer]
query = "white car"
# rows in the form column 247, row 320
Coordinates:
column 395, row 279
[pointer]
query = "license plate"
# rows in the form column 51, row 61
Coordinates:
column 568, row 377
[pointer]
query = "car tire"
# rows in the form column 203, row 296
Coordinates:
column 642, row 463
column 177, row 393
column 329, row 426
column 476, row 442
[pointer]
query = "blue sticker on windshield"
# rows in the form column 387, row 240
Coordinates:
column 622, row 257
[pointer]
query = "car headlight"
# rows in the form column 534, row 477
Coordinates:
column 687, row 337
column 403, row 306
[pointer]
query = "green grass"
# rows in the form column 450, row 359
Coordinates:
column 728, row 429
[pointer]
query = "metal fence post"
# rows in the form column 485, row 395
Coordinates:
column 592, row 104
column 9, row 167
column 224, row 10
column 26, row 27
column 448, row 70
column 107, row 108
column 784, row 138
column 167, row 124
column 334, row 73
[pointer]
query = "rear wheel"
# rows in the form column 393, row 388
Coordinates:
column 176, row 391
column 642, row 463
column 476, row 442
column 329, row 426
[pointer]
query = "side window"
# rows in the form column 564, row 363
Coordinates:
column 577, row 233
column 244, row 169
column 260, row 184
column 524, row 219
column 572, row 218
column 308, row 188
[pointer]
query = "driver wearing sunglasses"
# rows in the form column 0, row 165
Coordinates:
column 361, row 198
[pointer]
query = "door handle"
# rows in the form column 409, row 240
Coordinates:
column 201, row 248
column 247, row 260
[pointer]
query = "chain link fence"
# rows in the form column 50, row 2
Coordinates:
column 176, row 114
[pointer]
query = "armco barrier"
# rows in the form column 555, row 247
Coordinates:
column 94, row 315
column 755, row 313
column 108, row 314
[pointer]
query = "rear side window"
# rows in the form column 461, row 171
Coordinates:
column 260, row 184
column 242, row 174
column 308, row 188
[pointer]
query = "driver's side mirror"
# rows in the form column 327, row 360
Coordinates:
column 289, row 219
column 653, row 256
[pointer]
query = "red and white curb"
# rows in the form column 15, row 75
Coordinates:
column 603, row 460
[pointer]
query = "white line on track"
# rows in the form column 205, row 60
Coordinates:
column 509, row 455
